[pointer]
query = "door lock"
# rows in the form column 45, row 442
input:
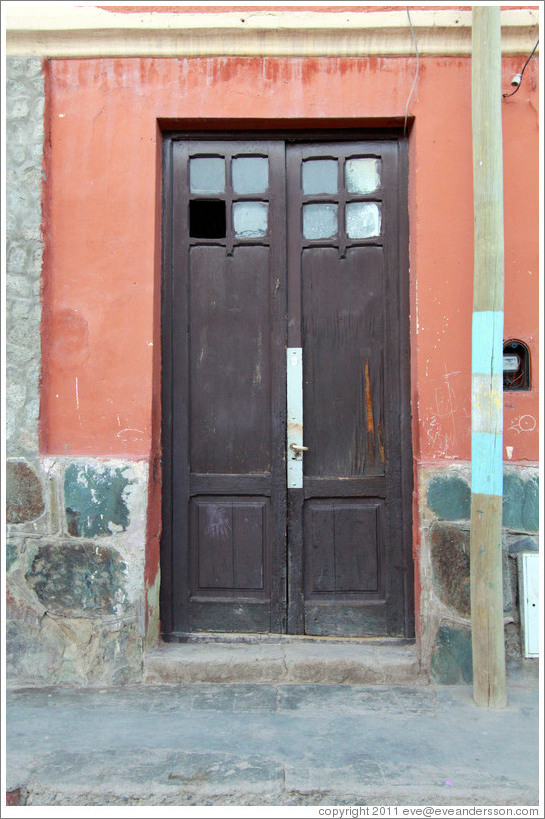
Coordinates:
column 297, row 448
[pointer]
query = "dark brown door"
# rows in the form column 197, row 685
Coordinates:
column 285, row 322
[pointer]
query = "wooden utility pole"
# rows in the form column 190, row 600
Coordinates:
column 489, row 687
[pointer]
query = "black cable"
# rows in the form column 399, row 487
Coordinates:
column 522, row 72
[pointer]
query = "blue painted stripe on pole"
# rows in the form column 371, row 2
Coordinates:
column 486, row 463
column 487, row 344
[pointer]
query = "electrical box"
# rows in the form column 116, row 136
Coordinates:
column 529, row 602
column 516, row 366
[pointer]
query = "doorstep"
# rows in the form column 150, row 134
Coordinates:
column 284, row 659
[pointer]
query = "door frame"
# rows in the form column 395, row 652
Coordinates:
column 167, row 552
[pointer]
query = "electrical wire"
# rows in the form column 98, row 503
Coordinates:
column 522, row 73
column 417, row 70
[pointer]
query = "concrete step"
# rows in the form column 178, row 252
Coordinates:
column 285, row 660
column 226, row 745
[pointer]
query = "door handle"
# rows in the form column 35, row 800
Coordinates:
column 298, row 448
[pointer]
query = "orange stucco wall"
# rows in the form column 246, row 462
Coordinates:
column 101, row 334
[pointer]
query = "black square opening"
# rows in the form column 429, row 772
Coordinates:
column 207, row 219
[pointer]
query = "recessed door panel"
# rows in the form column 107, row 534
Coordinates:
column 342, row 337
column 230, row 368
column 341, row 538
column 230, row 545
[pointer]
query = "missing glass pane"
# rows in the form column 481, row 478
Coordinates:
column 207, row 219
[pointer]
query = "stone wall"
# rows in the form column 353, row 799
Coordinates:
column 25, row 101
column 75, row 571
column 445, row 498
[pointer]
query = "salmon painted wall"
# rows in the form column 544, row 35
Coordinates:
column 101, row 335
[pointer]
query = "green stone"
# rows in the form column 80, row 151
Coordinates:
column 11, row 555
column 452, row 661
column 94, row 500
column 521, row 502
column 76, row 578
column 449, row 497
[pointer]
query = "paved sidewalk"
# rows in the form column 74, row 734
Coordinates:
column 260, row 744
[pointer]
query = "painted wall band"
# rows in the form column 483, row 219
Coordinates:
column 486, row 403
column 486, row 463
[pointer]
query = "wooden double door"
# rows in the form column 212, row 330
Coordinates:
column 286, row 417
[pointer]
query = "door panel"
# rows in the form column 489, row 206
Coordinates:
column 342, row 336
column 334, row 530
column 345, row 197
column 230, row 368
column 246, row 279
column 229, row 543
column 227, row 307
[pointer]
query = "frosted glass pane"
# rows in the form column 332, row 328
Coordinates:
column 362, row 175
column 320, row 176
column 250, row 219
column 362, row 220
column 319, row 221
column 250, row 174
column 207, row 175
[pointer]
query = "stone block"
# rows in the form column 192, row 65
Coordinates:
column 521, row 502
column 449, row 497
column 18, row 286
column 79, row 630
column 452, row 659
column 16, row 88
column 15, row 797
column 33, row 68
column 78, row 579
column 513, row 648
column 12, row 553
column 450, row 559
column 32, row 657
column 24, row 497
column 15, row 396
column 16, row 258
column 46, row 649
column 16, row 66
column 94, row 500
column 450, row 563
column 112, row 656
column 121, row 656
column 517, row 546
column 17, row 109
